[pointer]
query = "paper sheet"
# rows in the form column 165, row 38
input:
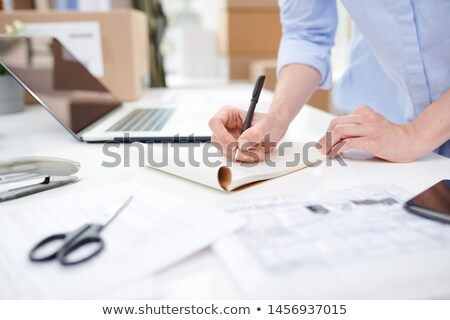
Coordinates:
column 346, row 244
column 153, row 232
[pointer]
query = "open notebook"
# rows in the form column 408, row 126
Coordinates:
column 203, row 164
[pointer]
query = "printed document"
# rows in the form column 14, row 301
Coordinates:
column 356, row 243
column 153, row 232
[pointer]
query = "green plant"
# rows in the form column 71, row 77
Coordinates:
column 2, row 71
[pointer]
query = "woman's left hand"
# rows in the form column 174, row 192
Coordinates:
column 366, row 130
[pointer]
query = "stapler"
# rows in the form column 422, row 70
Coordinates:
column 29, row 175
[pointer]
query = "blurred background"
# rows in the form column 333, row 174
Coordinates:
column 190, row 42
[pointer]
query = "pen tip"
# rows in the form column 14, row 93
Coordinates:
column 237, row 154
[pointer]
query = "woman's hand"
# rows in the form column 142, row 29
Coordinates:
column 295, row 84
column 366, row 130
column 260, row 138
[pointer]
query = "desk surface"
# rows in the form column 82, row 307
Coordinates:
column 34, row 132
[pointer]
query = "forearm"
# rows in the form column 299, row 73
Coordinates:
column 295, row 85
column 432, row 127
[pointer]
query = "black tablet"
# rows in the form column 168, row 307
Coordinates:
column 433, row 203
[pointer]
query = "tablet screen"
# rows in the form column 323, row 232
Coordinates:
column 436, row 198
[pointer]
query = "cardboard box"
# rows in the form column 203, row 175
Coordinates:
column 252, row 4
column 23, row 4
column 250, row 33
column 267, row 68
column 124, row 43
column 321, row 99
column 239, row 67
column 28, row 99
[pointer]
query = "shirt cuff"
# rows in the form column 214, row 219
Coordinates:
column 297, row 51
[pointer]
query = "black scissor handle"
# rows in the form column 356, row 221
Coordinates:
column 64, row 255
column 34, row 256
column 87, row 235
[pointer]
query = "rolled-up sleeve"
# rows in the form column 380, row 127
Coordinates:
column 309, row 27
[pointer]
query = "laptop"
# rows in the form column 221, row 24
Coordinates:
column 85, row 107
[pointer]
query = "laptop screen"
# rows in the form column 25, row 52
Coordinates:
column 57, row 80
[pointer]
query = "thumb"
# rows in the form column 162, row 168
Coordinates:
column 250, row 138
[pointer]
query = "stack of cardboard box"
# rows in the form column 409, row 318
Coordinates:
column 250, row 31
column 250, row 34
column 125, row 46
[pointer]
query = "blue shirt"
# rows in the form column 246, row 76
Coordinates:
column 399, row 55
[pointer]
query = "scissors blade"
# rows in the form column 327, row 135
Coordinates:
column 113, row 212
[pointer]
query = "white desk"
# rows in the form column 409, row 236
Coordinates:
column 34, row 132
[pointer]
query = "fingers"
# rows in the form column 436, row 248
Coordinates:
column 360, row 143
column 255, row 143
column 252, row 137
column 223, row 138
column 253, row 154
column 349, row 119
column 222, row 124
column 356, row 131
column 358, row 123
column 345, row 120
column 227, row 114
column 359, row 116
column 342, row 132
column 226, row 126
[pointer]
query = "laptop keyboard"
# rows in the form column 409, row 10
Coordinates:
column 143, row 120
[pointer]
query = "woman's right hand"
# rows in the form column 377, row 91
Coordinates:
column 263, row 135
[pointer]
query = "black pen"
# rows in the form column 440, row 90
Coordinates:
column 251, row 110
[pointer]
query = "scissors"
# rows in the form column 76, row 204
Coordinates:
column 77, row 246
